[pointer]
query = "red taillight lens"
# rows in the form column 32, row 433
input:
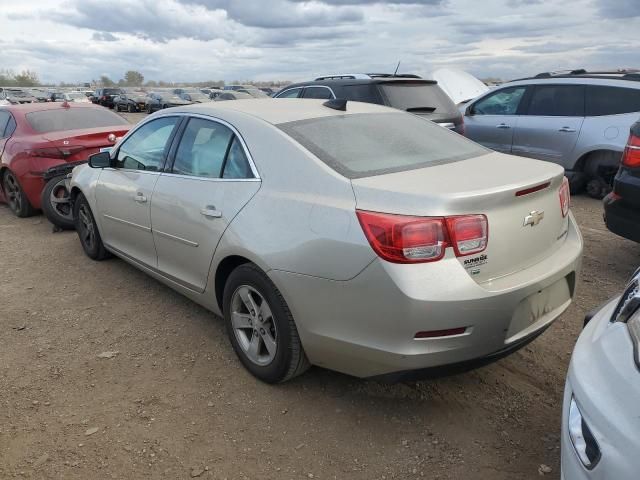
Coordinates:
column 631, row 156
column 404, row 239
column 565, row 197
column 469, row 234
column 53, row 152
column 407, row 239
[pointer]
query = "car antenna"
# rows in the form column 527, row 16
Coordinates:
column 336, row 104
column 397, row 67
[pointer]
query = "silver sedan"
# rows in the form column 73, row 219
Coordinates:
column 350, row 236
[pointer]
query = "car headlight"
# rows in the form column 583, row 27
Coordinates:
column 628, row 311
column 582, row 439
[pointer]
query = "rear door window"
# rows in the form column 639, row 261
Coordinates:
column 603, row 100
column 557, row 101
column 317, row 92
column 203, row 148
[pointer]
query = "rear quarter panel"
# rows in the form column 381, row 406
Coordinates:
column 302, row 219
column 607, row 132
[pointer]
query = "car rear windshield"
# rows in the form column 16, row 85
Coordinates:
column 112, row 91
column 73, row 119
column 417, row 97
column 363, row 145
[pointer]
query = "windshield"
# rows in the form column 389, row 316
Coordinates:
column 17, row 93
column 363, row 145
column 76, row 95
column 417, row 97
column 112, row 91
column 73, row 119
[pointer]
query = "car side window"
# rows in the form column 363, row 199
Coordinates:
column 291, row 93
column 203, row 148
column 604, row 100
column 557, row 101
column 145, row 148
column 11, row 127
column 236, row 164
column 4, row 120
column 502, row 102
column 317, row 92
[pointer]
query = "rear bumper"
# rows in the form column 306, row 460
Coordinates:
column 366, row 326
column 621, row 218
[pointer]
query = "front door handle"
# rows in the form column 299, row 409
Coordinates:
column 567, row 129
column 503, row 125
column 140, row 198
column 210, row 211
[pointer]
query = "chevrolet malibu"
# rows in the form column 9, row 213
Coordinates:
column 346, row 235
column 601, row 414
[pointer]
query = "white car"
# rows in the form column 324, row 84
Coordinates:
column 601, row 414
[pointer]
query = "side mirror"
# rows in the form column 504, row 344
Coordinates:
column 100, row 160
column 469, row 111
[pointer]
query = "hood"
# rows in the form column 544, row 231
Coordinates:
column 459, row 85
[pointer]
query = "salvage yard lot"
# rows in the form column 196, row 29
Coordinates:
column 173, row 401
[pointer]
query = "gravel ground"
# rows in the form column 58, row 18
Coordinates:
column 172, row 401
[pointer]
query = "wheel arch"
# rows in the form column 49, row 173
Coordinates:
column 601, row 152
column 223, row 270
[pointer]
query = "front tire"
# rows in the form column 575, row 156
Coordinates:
column 56, row 203
column 87, row 229
column 260, row 326
column 15, row 196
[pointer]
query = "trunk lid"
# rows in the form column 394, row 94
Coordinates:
column 482, row 185
column 78, row 145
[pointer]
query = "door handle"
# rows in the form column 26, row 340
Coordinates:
column 567, row 129
column 503, row 125
column 210, row 211
column 140, row 198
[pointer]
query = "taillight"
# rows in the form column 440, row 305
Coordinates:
column 468, row 233
column 53, row 152
column 631, row 156
column 408, row 239
column 565, row 197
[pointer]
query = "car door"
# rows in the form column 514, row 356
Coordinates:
column 123, row 193
column 550, row 124
column 211, row 179
column 491, row 120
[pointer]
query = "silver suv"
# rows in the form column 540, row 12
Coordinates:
column 577, row 119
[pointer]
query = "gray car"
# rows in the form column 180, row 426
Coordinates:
column 579, row 120
column 601, row 413
column 342, row 234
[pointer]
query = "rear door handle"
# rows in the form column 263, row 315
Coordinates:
column 140, row 198
column 210, row 211
column 567, row 129
column 503, row 125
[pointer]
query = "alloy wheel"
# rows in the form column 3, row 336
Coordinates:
column 253, row 325
column 13, row 192
column 86, row 227
column 60, row 200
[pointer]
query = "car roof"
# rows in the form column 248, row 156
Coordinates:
column 361, row 81
column 282, row 110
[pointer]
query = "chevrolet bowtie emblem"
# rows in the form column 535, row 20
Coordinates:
column 533, row 219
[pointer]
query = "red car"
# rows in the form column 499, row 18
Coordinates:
column 40, row 143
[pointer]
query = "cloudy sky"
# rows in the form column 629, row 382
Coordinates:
column 191, row 40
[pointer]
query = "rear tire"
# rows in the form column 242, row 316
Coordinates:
column 17, row 200
column 87, row 229
column 260, row 326
column 56, row 203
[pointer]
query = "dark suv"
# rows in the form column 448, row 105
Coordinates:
column 105, row 96
column 622, row 206
column 404, row 92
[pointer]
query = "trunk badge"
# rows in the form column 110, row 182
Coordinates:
column 534, row 218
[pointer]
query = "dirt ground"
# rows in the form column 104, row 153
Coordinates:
column 174, row 403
